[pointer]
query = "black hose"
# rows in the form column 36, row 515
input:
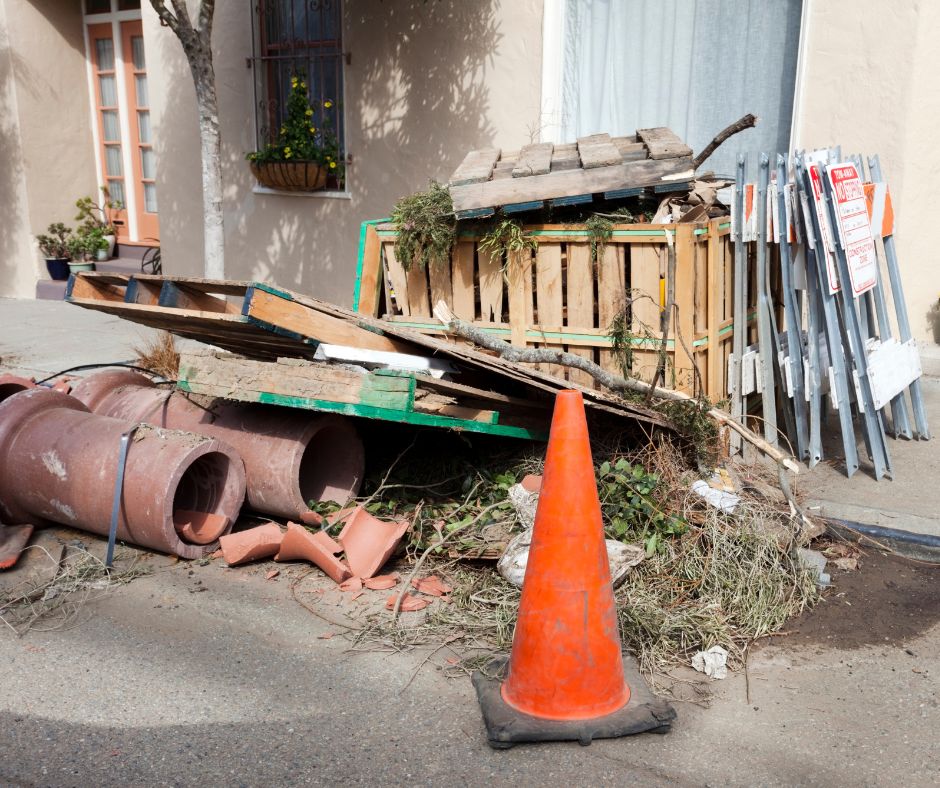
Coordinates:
column 889, row 534
column 99, row 366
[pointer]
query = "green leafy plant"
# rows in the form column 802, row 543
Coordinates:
column 600, row 228
column 629, row 506
column 300, row 138
column 85, row 245
column 505, row 236
column 427, row 227
column 54, row 243
column 92, row 216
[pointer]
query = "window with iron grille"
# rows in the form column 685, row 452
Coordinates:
column 301, row 38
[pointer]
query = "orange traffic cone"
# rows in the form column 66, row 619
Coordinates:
column 566, row 676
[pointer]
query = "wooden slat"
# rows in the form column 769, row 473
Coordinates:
column 473, row 394
column 290, row 315
column 441, row 288
column 715, row 308
column 491, row 287
column 398, row 281
column 462, row 281
column 645, row 265
column 569, row 183
column 684, row 318
column 535, row 159
column 580, row 300
column 418, row 303
column 180, row 296
column 598, row 151
column 629, row 149
column 662, row 143
column 142, row 292
column 371, row 273
column 519, row 280
column 567, row 160
column 549, row 293
column 611, row 290
column 476, row 167
column 82, row 287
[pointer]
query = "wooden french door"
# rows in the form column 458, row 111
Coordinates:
column 125, row 136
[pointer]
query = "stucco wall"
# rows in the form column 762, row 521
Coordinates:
column 428, row 81
column 870, row 85
column 46, row 140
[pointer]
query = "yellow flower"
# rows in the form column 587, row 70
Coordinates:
column 293, row 82
column 309, row 112
column 303, row 85
column 327, row 103
column 313, row 130
column 283, row 130
column 287, row 152
column 332, row 165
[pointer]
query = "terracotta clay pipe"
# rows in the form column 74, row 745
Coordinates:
column 291, row 456
column 13, row 384
column 58, row 463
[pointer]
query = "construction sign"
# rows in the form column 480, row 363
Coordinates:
column 851, row 210
column 880, row 210
column 826, row 249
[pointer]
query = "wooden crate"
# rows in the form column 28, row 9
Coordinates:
column 558, row 296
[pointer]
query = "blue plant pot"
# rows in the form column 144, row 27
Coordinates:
column 58, row 268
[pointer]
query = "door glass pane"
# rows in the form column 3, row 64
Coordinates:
column 150, row 198
column 128, row 5
column 109, row 120
column 143, row 126
column 108, row 91
column 104, row 48
column 97, row 6
column 137, row 45
column 143, row 99
column 148, row 163
column 112, row 160
column 116, row 190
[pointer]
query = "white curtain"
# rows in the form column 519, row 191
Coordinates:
column 692, row 65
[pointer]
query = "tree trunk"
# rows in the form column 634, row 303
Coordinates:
column 211, row 146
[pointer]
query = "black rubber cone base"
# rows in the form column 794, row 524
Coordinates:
column 505, row 726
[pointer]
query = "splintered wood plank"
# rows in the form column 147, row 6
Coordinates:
column 519, row 279
column 549, row 294
column 370, row 274
column 598, row 151
column 418, row 304
column 441, row 288
column 292, row 316
column 629, row 148
column 491, row 287
column 476, row 167
column 397, row 290
column 568, row 183
column 645, row 266
column 462, row 281
column 611, row 290
column 580, row 300
column 534, row 159
column 663, row 143
column 683, row 322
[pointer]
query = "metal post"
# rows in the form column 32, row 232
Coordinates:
column 793, row 321
column 738, row 401
column 900, row 306
column 764, row 330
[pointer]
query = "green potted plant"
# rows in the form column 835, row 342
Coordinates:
column 54, row 245
column 305, row 156
column 101, row 217
column 84, row 248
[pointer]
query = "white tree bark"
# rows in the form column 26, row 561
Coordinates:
column 196, row 41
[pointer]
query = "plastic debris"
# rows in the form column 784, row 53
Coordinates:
column 713, row 663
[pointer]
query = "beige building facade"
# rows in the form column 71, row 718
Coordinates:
column 424, row 83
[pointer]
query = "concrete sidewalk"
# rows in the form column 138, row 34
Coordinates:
column 203, row 675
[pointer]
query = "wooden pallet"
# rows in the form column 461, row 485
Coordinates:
column 614, row 167
column 263, row 323
column 560, row 297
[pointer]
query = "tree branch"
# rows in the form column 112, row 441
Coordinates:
column 607, row 379
column 748, row 121
column 165, row 16
column 206, row 11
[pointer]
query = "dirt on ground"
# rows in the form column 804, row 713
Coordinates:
column 887, row 599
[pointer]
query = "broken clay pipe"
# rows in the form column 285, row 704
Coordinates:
column 368, row 541
column 317, row 548
column 290, row 457
column 58, row 464
column 251, row 545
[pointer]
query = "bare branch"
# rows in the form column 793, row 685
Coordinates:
column 182, row 14
column 206, row 12
column 165, row 16
column 607, row 379
column 748, row 121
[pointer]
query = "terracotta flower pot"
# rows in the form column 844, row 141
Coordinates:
column 292, row 176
